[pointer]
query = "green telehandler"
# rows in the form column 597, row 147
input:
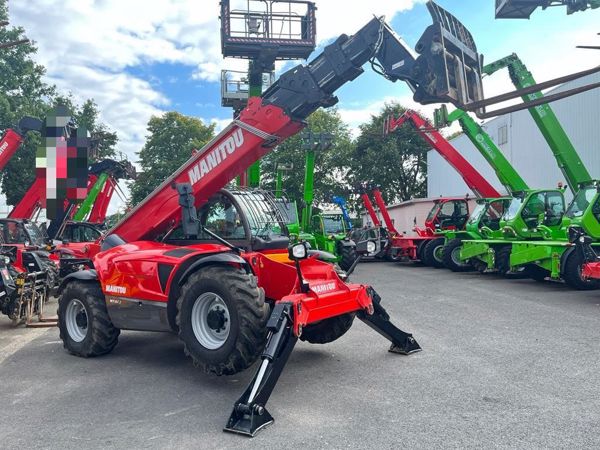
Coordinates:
column 485, row 218
column 533, row 230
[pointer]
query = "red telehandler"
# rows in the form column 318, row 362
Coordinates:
column 447, row 213
column 231, row 307
column 12, row 139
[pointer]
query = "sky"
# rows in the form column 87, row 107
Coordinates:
column 138, row 58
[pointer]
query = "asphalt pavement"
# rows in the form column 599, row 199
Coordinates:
column 505, row 364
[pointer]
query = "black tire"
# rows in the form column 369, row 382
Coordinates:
column 248, row 315
column 52, row 273
column 571, row 273
column 503, row 259
column 393, row 254
column 101, row 336
column 451, row 259
column 347, row 256
column 478, row 265
column 421, row 251
column 327, row 330
column 433, row 253
column 536, row 272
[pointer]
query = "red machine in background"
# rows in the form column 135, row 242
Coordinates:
column 12, row 139
column 448, row 213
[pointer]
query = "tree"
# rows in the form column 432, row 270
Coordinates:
column 330, row 165
column 22, row 92
column 170, row 142
column 396, row 163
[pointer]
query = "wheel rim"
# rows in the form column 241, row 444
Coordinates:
column 76, row 320
column 455, row 255
column 438, row 253
column 211, row 321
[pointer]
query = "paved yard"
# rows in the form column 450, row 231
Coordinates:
column 505, row 363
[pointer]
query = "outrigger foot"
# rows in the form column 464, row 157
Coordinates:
column 249, row 414
column 402, row 342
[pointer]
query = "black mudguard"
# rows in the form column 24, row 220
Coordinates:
column 80, row 275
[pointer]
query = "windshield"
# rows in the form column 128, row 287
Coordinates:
column 581, row 202
column 513, row 208
column 37, row 238
column 288, row 210
column 433, row 212
column 264, row 218
column 474, row 218
column 333, row 224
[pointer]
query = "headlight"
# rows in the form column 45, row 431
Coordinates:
column 371, row 246
column 298, row 251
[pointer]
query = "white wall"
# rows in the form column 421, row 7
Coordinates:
column 526, row 148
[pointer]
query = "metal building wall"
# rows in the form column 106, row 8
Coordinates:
column 526, row 149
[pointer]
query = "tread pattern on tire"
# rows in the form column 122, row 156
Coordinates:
column 102, row 334
column 252, row 312
column 429, row 253
column 503, row 259
column 348, row 255
column 327, row 330
column 571, row 273
column 449, row 261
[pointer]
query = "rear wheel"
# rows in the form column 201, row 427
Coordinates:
column 84, row 324
column 451, row 256
column 503, row 259
column 536, row 272
column 347, row 256
column 572, row 273
column 52, row 276
column 221, row 315
column 327, row 330
column 433, row 253
column 421, row 251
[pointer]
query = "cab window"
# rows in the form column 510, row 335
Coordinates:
column 316, row 223
column 81, row 233
column 222, row 218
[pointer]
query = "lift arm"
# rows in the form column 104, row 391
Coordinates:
column 341, row 202
column 12, row 139
column 280, row 112
column 369, row 206
column 469, row 174
column 505, row 171
column 566, row 156
column 384, row 212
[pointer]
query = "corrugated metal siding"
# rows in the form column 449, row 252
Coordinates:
column 526, row 149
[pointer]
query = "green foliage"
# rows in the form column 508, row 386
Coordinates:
column 170, row 142
column 330, row 165
column 24, row 93
column 397, row 162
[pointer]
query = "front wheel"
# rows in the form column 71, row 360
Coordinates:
column 83, row 320
column 572, row 273
column 222, row 315
column 347, row 257
column 433, row 253
column 451, row 256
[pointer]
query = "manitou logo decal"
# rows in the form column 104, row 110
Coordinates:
column 216, row 157
column 3, row 147
column 116, row 289
column 323, row 288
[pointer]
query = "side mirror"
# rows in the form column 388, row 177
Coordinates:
column 298, row 251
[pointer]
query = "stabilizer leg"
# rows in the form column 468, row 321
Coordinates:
column 249, row 414
column 402, row 342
